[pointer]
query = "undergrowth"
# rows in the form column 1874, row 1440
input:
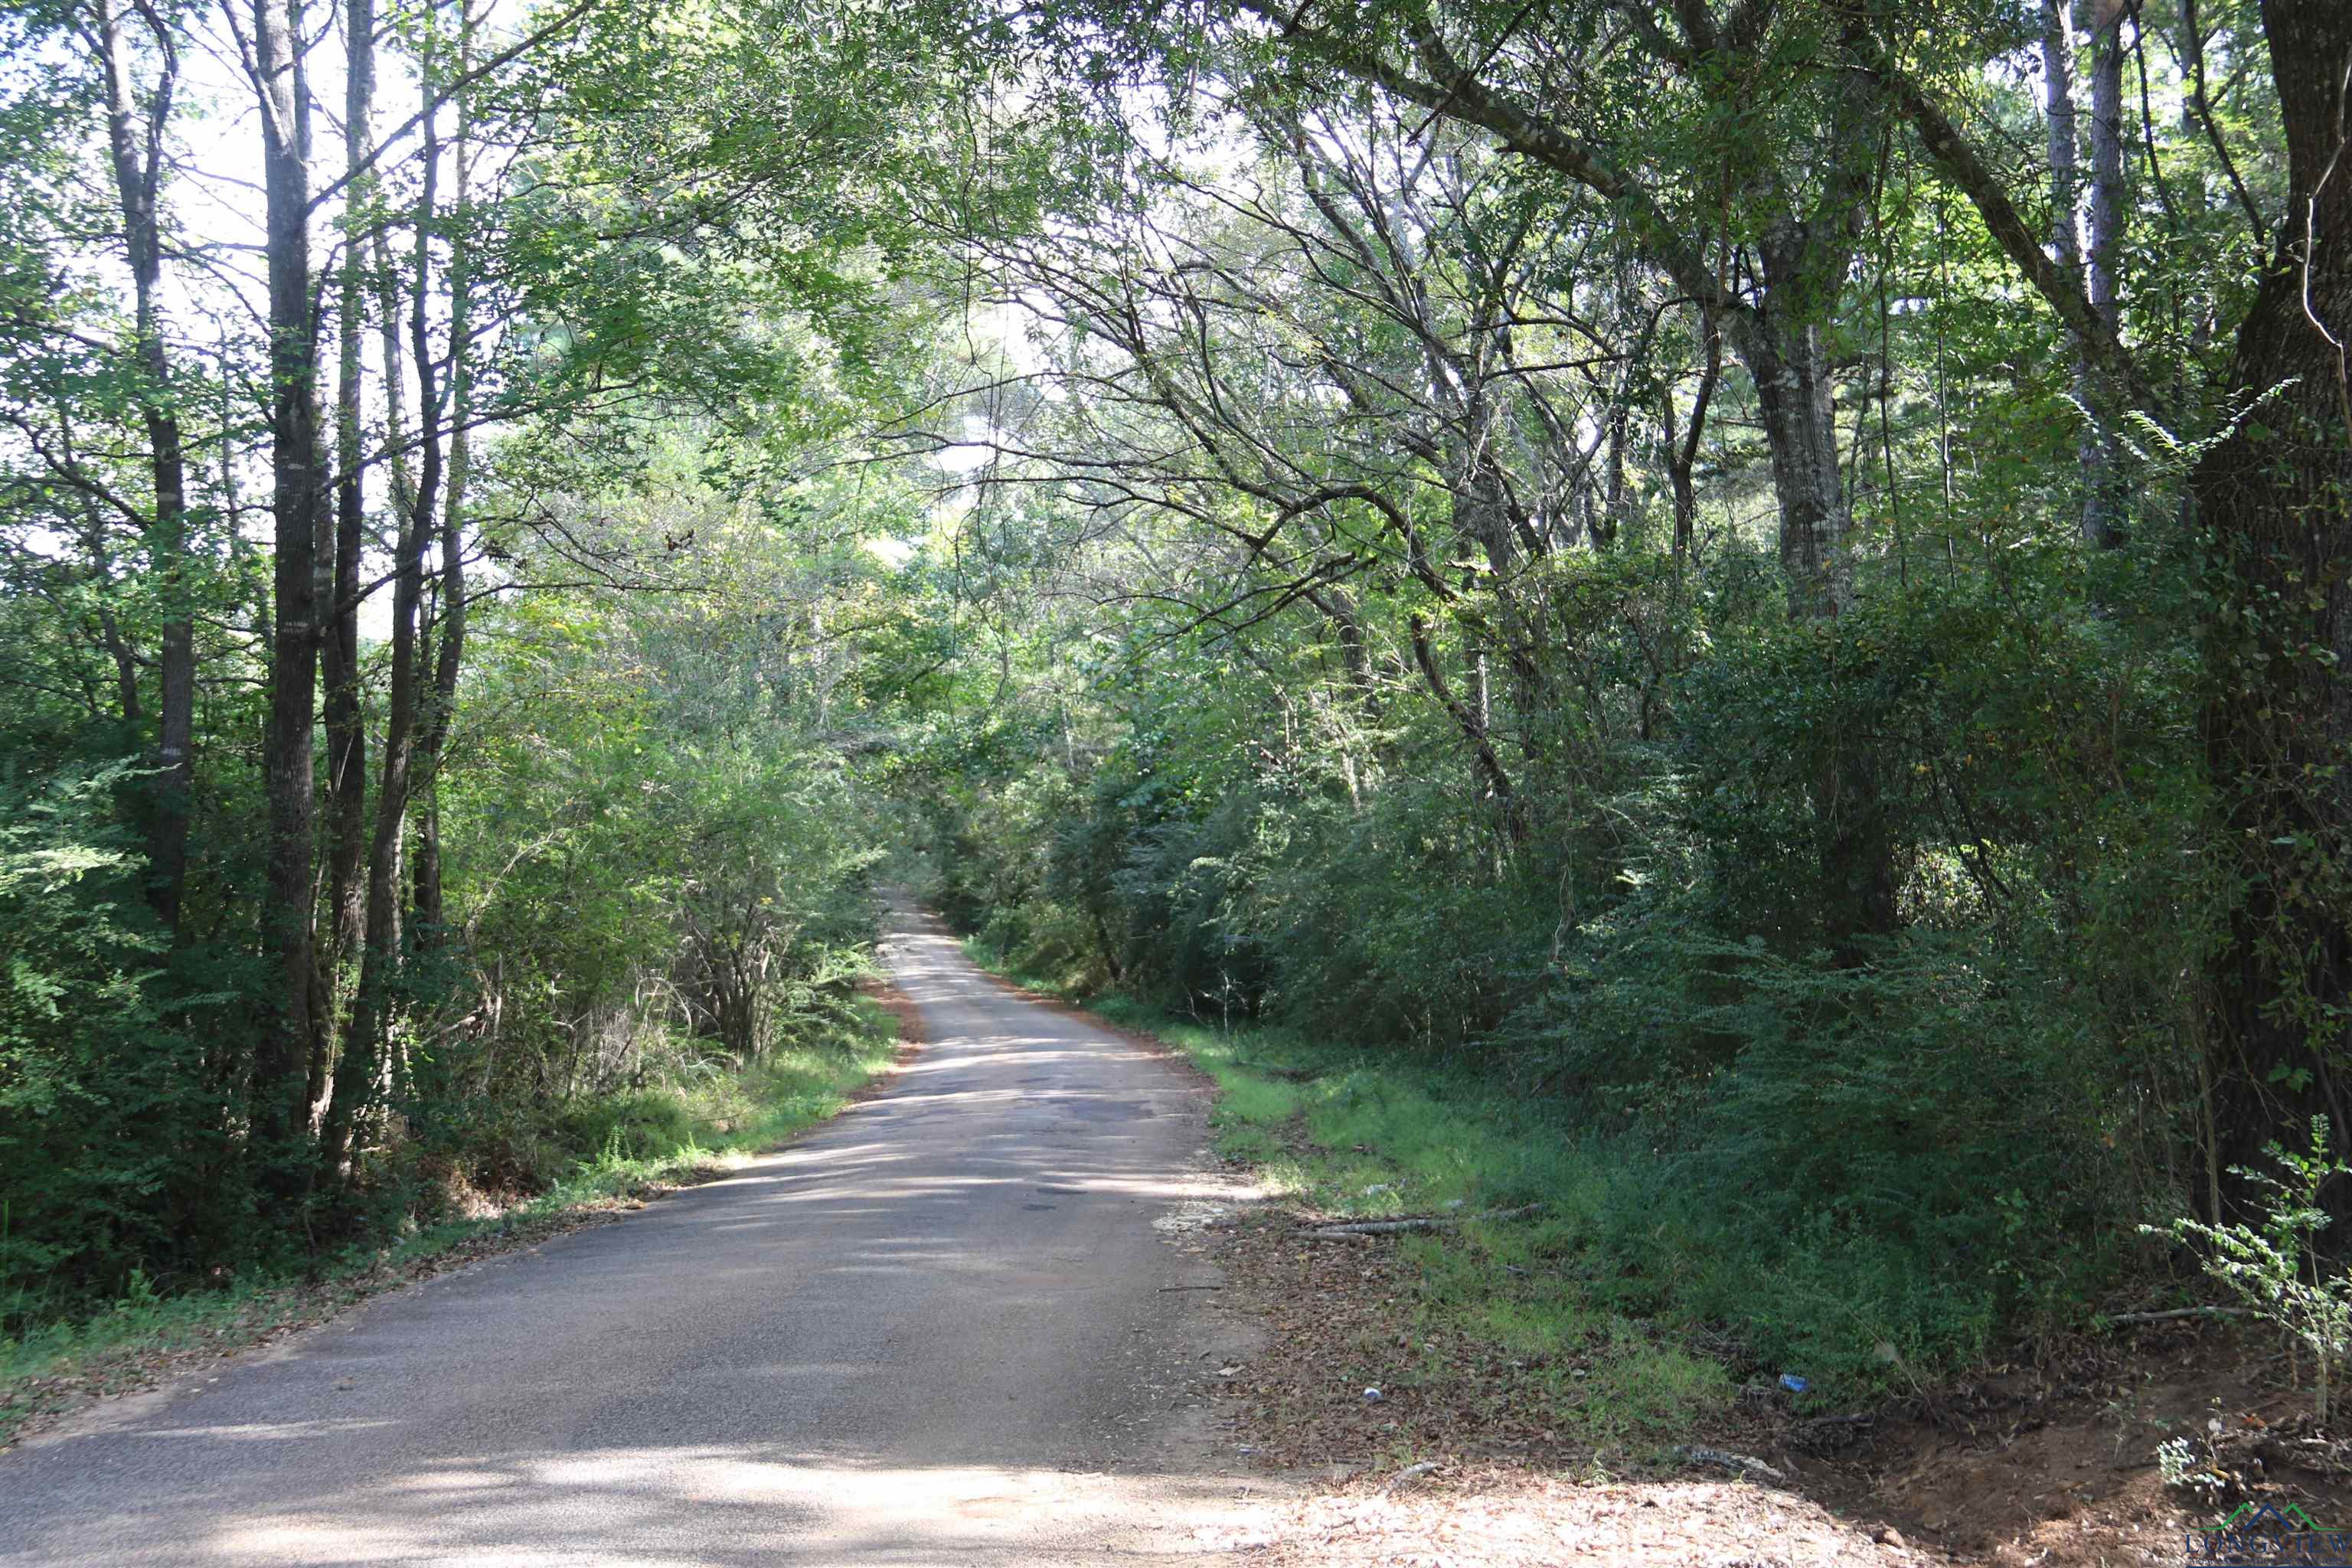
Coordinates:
column 1349, row 1134
column 1632, row 1271
column 647, row 1140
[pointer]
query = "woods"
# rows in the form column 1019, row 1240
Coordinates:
column 1764, row 581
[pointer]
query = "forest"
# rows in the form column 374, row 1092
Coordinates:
column 1753, row 591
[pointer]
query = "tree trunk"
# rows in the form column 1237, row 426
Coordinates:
column 1794, row 386
column 1473, row 726
column 2097, row 447
column 2103, row 501
column 1680, row 453
column 359, row 1073
column 2065, row 153
column 134, row 143
column 1786, row 354
column 286, row 1041
column 358, row 1069
column 346, row 724
column 1619, row 425
column 445, row 663
column 2276, row 497
column 1805, row 259
column 126, row 676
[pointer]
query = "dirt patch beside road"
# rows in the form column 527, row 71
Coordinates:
column 1415, row 1442
column 2050, row 1467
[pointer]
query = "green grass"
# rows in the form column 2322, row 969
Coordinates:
column 656, row 1139
column 1370, row 1136
column 1662, row 1226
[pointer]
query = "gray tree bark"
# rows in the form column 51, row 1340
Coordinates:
column 286, row 1038
column 346, row 726
column 2103, row 501
column 2065, row 150
column 135, row 144
column 445, row 661
column 359, row 1070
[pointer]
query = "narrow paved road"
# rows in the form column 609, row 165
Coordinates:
column 936, row 1330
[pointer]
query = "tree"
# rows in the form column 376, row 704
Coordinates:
column 135, row 144
column 276, row 61
column 345, row 721
column 2275, row 493
column 1785, row 223
column 414, row 695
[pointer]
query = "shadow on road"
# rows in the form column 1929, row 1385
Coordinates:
column 937, row 1330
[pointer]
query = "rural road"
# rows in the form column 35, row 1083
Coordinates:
column 936, row 1330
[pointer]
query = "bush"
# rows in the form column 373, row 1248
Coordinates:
column 114, row 1152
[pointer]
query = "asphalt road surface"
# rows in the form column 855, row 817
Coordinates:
column 937, row 1330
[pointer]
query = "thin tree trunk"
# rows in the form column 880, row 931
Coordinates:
column 346, row 722
column 1636, row 368
column 2066, row 214
column 1474, row 730
column 359, row 1072
column 2276, row 496
column 109, row 630
column 446, row 661
column 1611, row 516
column 1681, row 453
column 2103, row 502
column 126, row 670
column 1337, row 607
column 134, row 143
column 286, row 1040
column 2065, row 152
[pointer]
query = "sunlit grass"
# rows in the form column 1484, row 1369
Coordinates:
column 1349, row 1134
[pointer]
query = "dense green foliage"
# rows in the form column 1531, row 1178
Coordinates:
column 651, row 881
column 1955, row 1135
column 1732, row 596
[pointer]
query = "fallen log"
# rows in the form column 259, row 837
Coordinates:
column 2175, row 1314
column 1697, row 1454
column 1293, row 1075
column 1351, row 1229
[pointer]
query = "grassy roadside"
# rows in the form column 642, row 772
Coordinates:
column 706, row 1131
column 1495, row 1337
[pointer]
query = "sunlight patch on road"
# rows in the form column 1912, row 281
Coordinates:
column 619, row 1506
